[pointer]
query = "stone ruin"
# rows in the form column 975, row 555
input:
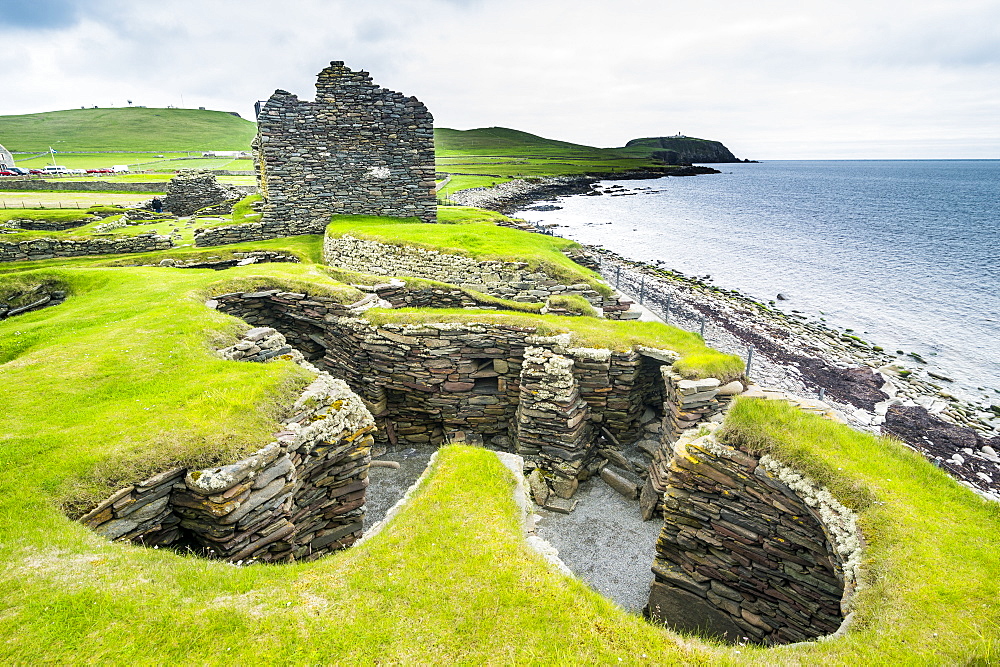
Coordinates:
column 194, row 189
column 358, row 149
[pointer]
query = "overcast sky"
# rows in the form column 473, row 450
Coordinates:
column 770, row 79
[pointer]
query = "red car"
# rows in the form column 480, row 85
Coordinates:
column 7, row 173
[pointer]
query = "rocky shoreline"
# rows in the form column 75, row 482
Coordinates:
column 513, row 195
column 875, row 390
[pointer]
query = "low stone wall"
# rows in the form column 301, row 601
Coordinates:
column 508, row 280
column 35, row 249
column 255, row 231
column 46, row 225
column 297, row 498
column 20, row 302
column 301, row 318
column 34, row 185
column 750, row 549
column 400, row 295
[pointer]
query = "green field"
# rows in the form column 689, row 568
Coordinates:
column 496, row 153
column 126, row 129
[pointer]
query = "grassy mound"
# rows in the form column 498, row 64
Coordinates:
column 472, row 234
column 127, row 129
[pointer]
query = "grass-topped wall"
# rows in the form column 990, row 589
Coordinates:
column 471, row 233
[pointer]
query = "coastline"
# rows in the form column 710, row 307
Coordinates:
column 789, row 352
column 513, row 195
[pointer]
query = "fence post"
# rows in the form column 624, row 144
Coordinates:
column 618, row 276
column 703, row 327
column 749, row 359
column 642, row 289
column 666, row 312
column 822, row 394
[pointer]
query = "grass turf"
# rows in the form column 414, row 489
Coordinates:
column 472, row 234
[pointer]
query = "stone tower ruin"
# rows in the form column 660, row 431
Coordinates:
column 358, row 149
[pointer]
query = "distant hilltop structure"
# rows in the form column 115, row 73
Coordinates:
column 6, row 159
column 681, row 150
column 357, row 149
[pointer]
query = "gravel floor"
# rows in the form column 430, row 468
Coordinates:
column 605, row 542
column 387, row 485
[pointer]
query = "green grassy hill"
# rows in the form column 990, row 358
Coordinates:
column 499, row 140
column 679, row 149
column 126, row 129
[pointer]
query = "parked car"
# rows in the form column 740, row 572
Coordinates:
column 55, row 169
column 36, row 172
column 20, row 170
column 7, row 173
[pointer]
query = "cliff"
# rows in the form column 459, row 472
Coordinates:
column 680, row 150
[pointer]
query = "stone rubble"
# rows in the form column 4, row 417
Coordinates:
column 193, row 189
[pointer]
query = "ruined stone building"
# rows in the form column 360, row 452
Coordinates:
column 357, row 149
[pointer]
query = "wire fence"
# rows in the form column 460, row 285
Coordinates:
column 662, row 301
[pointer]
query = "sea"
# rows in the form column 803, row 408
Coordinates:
column 906, row 253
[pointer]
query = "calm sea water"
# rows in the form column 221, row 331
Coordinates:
column 906, row 253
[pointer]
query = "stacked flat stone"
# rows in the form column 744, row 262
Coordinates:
column 619, row 308
column 35, row 299
column 34, row 185
column 358, row 149
column 47, row 225
column 36, row 249
column 261, row 344
column 686, row 405
column 742, row 555
column 299, row 497
column 193, row 189
column 552, row 418
column 139, row 216
column 238, row 259
column 257, row 231
column 299, row 316
column 427, row 382
column 508, row 280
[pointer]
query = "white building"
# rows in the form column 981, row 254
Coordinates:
column 6, row 159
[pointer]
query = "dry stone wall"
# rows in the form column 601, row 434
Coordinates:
column 191, row 190
column 509, row 280
column 750, row 549
column 297, row 498
column 33, row 185
column 48, row 248
column 257, row 231
column 428, row 383
column 300, row 318
column 357, row 149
